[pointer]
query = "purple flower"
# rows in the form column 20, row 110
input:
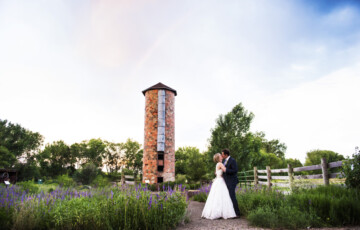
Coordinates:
column 150, row 202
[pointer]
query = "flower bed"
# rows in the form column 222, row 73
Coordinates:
column 108, row 208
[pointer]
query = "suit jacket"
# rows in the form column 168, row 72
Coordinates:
column 230, row 176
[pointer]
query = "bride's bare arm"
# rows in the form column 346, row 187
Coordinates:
column 222, row 167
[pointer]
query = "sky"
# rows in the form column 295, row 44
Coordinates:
column 75, row 70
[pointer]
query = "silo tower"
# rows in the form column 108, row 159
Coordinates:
column 159, row 134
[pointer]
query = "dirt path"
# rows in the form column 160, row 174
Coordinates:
column 196, row 222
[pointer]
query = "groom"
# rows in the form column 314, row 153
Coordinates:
column 230, row 177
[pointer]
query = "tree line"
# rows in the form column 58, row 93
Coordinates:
column 21, row 149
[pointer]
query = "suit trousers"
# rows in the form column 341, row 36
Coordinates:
column 232, row 188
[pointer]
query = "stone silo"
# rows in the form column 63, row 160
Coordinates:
column 159, row 134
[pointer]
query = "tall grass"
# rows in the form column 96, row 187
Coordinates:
column 108, row 208
column 318, row 207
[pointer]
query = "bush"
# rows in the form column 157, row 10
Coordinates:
column 65, row 181
column 200, row 197
column 28, row 186
column 100, row 181
column 263, row 217
column 351, row 169
column 180, row 179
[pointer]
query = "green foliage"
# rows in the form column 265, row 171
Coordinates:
column 28, row 186
column 322, row 206
column 293, row 162
column 7, row 159
column 55, row 158
column 249, row 149
column 100, row 181
column 351, row 169
column 28, row 171
column 65, row 181
column 133, row 156
column 314, row 157
column 191, row 162
column 93, row 152
column 108, row 208
column 18, row 140
column 180, row 178
column 86, row 174
column 232, row 131
column 263, row 217
column 200, row 197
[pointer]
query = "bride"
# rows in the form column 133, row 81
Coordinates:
column 218, row 203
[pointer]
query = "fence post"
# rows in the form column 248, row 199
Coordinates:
column 256, row 180
column 268, row 173
column 291, row 178
column 325, row 173
column 245, row 179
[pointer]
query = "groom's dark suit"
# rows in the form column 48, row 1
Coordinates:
column 231, row 180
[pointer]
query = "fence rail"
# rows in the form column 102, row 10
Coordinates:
column 252, row 177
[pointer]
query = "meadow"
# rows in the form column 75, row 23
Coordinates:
column 112, row 207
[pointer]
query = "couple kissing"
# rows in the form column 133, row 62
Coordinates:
column 221, row 201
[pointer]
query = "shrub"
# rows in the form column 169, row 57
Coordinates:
column 100, row 181
column 28, row 186
column 263, row 217
column 65, row 181
column 180, row 179
column 200, row 197
column 351, row 169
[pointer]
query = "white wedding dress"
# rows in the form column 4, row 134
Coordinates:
column 218, row 203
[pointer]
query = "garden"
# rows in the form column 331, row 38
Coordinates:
column 25, row 206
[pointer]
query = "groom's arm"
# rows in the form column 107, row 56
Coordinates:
column 231, row 168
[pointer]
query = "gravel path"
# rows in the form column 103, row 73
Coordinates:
column 196, row 222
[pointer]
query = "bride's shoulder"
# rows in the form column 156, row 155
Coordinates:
column 218, row 164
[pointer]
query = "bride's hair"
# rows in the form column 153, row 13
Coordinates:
column 217, row 157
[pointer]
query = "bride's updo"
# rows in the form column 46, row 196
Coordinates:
column 217, row 157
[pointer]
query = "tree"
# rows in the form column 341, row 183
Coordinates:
column 181, row 160
column 114, row 156
column 314, row 157
column 87, row 173
column 55, row 159
column 92, row 151
column 18, row 141
column 293, row 162
column 232, row 131
column 133, row 156
column 274, row 146
column 270, row 159
column 351, row 169
column 7, row 159
column 191, row 162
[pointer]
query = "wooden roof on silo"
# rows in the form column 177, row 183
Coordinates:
column 159, row 86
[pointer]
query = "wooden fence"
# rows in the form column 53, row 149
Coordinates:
column 256, row 177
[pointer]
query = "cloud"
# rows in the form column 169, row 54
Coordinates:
column 321, row 114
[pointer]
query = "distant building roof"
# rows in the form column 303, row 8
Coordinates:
column 159, row 86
